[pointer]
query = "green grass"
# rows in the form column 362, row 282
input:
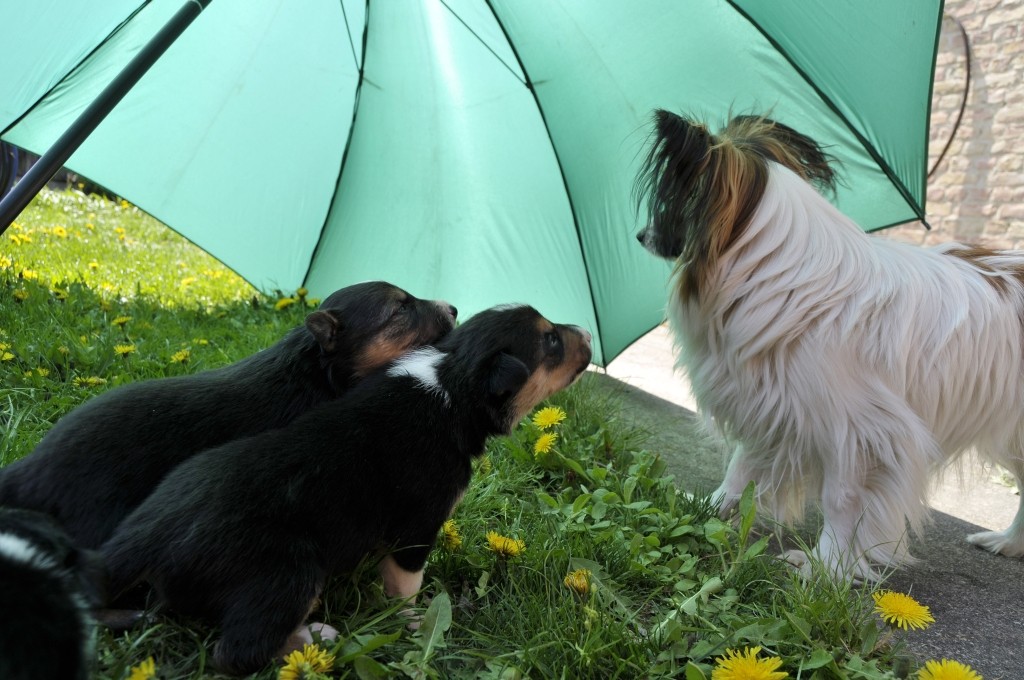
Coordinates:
column 673, row 586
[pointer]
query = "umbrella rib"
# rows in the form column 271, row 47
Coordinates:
column 481, row 41
column 561, row 171
column 361, row 63
column 81, row 62
column 348, row 32
column 868, row 146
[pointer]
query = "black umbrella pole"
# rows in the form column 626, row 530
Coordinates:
column 52, row 161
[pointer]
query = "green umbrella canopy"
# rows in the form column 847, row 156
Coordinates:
column 481, row 152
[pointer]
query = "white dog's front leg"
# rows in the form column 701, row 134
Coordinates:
column 401, row 583
column 737, row 476
column 838, row 549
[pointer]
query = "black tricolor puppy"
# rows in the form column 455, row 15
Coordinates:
column 246, row 534
column 102, row 459
column 47, row 586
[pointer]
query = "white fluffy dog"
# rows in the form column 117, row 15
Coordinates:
column 847, row 368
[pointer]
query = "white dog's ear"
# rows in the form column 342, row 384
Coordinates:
column 325, row 328
column 506, row 376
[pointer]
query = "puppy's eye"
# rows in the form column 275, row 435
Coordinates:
column 552, row 341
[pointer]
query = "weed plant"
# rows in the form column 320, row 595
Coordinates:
column 612, row 573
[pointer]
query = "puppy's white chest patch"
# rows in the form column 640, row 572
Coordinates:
column 421, row 364
column 17, row 549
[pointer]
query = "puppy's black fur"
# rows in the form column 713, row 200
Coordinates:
column 46, row 588
column 246, row 534
column 102, row 459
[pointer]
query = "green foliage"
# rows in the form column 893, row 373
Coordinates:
column 669, row 586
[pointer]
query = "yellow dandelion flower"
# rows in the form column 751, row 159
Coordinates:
column 180, row 357
column 6, row 356
column 29, row 274
column 548, row 417
column 451, row 539
column 59, row 232
column 284, row 302
column 144, row 671
column 93, row 264
column 505, row 546
column 6, row 262
column 42, row 372
column 89, row 226
column 63, row 349
column 59, row 294
column 902, row 610
column 4, row 346
column 578, row 581
column 91, row 381
column 312, row 302
column 485, row 466
column 544, row 443
column 120, row 321
column 745, row 665
column 15, row 239
column 124, row 350
column 20, row 295
column 188, row 281
column 947, row 670
column 125, row 204
column 301, row 293
column 200, row 341
column 299, row 665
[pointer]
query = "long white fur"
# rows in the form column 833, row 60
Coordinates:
column 850, row 368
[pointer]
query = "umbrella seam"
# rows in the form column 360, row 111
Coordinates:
column 77, row 67
column 561, row 172
column 886, row 169
column 361, row 63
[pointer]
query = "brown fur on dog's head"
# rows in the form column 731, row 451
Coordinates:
column 519, row 357
column 702, row 189
column 390, row 323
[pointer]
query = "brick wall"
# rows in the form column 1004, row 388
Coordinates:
column 976, row 194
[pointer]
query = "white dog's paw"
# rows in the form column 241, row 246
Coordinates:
column 799, row 561
column 998, row 542
column 857, row 573
column 725, row 501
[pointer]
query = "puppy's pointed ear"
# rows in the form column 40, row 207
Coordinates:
column 507, row 375
column 325, row 328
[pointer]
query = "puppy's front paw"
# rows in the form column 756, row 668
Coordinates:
column 998, row 542
column 306, row 634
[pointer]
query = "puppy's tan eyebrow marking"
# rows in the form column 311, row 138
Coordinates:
column 421, row 364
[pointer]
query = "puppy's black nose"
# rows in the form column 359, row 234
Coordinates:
column 453, row 311
column 640, row 236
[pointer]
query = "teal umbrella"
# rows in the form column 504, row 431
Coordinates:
column 479, row 151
